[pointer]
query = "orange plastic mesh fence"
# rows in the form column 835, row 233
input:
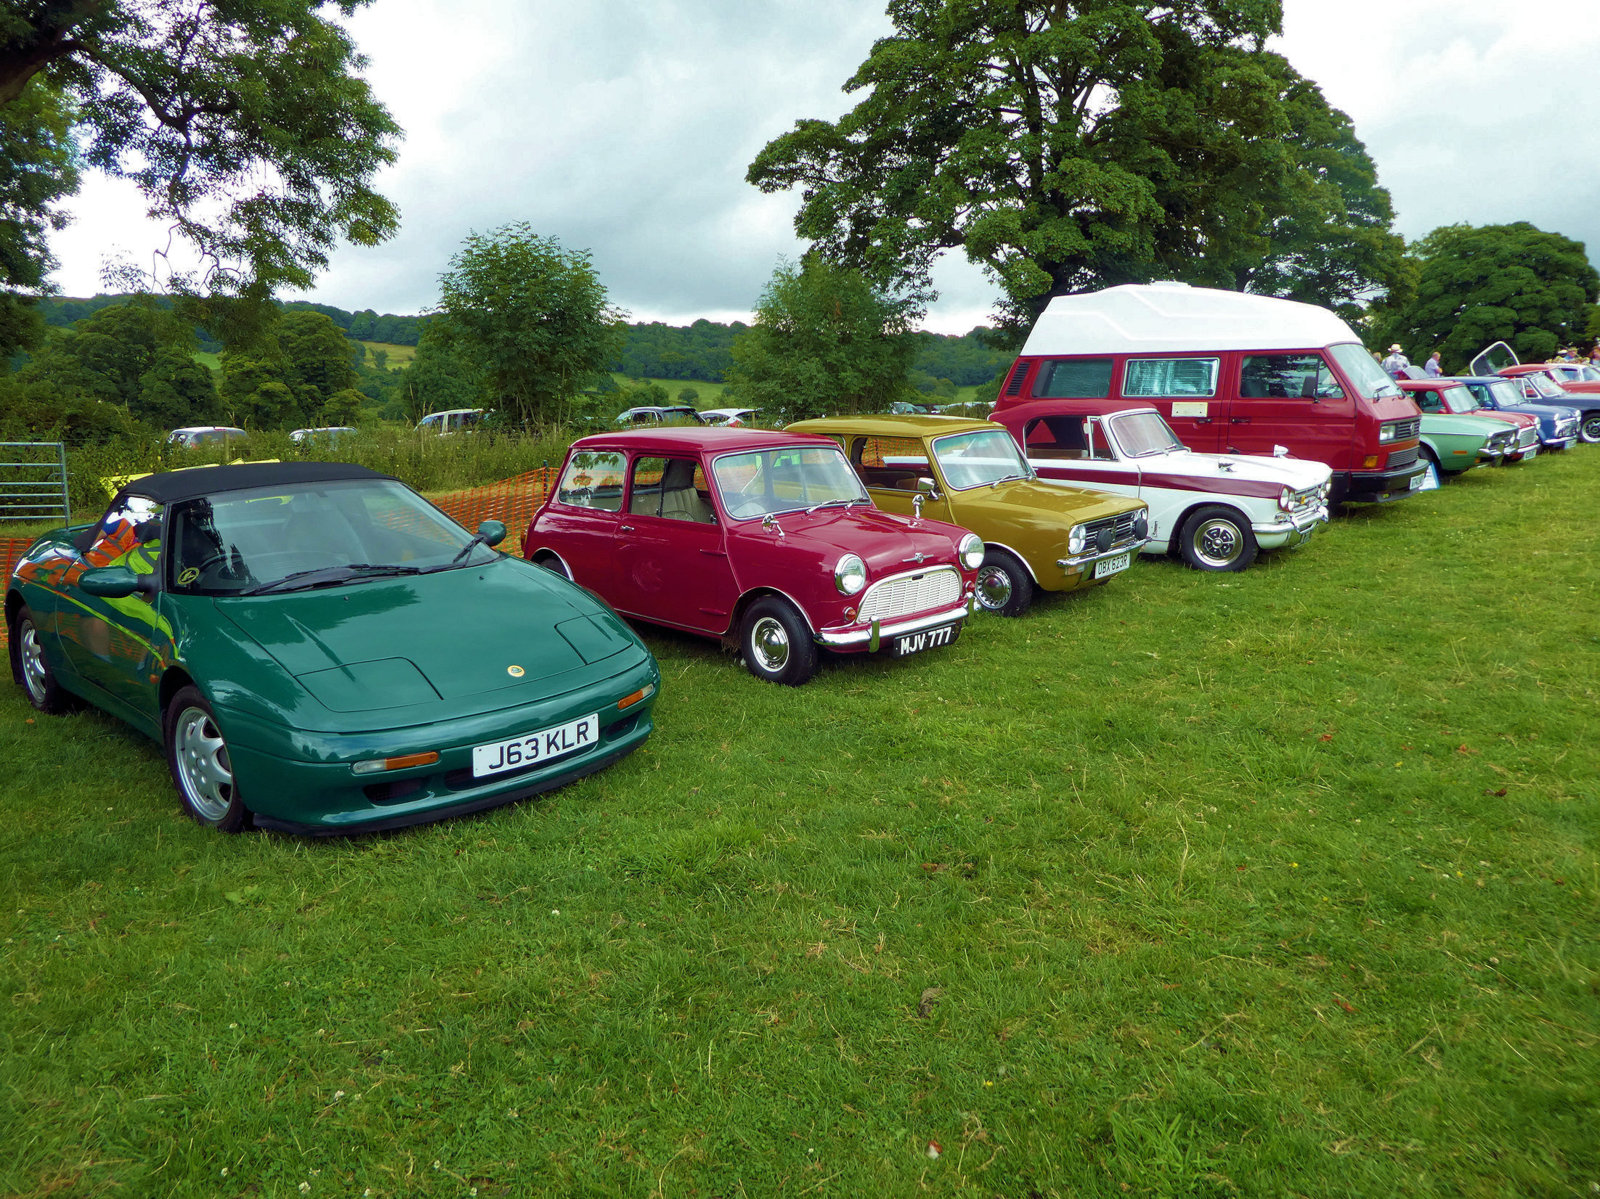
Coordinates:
column 10, row 550
column 512, row 501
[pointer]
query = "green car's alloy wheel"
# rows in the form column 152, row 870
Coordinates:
column 1004, row 586
column 44, row 693
column 201, row 768
column 776, row 643
column 1217, row 538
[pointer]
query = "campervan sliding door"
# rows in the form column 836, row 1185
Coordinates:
column 1184, row 388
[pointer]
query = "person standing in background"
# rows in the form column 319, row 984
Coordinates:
column 1433, row 368
column 1396, row 361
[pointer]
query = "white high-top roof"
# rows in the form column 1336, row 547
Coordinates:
column 1153, row 318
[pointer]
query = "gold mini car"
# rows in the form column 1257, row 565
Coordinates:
column 971, row 473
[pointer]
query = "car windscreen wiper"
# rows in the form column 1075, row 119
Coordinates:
column 325, row 576
column 833, row 504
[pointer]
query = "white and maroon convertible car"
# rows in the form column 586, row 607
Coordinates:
column 1215, row 510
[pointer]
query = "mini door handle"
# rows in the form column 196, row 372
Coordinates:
column 1202, row 420
column 1239, row 420
column 627, row 528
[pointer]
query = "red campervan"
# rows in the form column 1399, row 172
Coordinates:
column 761, row 539
column 1231, row 373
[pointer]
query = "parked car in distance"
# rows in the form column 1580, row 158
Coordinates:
column 450, row 421
column 659, row 414
column 766, row 541
column 907, row 408
column 970, row 473
column 328, row 435
column 1558, row 423
column 1453, row 444
column 731, row 417
column 1216, row 511
column 1231, row 373
column 196, row 436
column 1446, row 395
column 319, row 649
column 1541, row 385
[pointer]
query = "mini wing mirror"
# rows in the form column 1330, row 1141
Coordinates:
column 109, row 582
column 493, row 532
column 928, row 487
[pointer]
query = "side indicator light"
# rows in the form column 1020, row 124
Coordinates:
column 638, row 697
column 403, row 762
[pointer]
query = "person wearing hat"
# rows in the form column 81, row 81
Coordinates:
column 1396, row 361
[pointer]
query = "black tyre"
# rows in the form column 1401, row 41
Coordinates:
column 1004, row 585
column 202, row 771
column 776, row 643
column 1431, row 478
column 31, row 666
column 1217, row 538
column 1589, row 428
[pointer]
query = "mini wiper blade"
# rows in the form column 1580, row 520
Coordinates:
column 829, row 504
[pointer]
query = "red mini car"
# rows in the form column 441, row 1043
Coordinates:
column 1450, row 395
column 765, row 540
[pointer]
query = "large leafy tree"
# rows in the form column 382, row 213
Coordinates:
column 1477, row 285
column 825, row 341
column 533, row 316
column 1071, row 144
column 244, row 123
column 37, row 169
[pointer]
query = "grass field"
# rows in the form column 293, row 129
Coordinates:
column 1282, row 884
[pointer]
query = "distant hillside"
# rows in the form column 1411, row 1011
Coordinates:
column 700, row 352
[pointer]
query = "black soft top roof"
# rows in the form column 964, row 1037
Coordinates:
column 173, row 485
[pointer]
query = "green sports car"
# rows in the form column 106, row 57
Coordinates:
column 321, row 650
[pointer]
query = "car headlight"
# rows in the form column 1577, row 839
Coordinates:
column 971, row 551
column 850, row 574
column 1285, row 499
column 1077, row 539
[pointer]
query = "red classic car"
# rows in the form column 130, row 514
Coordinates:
column 765, row 540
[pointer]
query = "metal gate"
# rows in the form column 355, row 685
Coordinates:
column 33, row 482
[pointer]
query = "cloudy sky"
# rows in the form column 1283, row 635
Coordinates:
column 626, row 129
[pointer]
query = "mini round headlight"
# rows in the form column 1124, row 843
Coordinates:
column 971, row 551
column 1077, row 539
column 1141, row 524
column 850, row 575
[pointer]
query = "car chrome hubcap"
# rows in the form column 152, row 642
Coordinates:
column 1591, row 429
column 769, row 642
column 33, row 668
column 203, row 765
column 994, row 588
column 1218, row 542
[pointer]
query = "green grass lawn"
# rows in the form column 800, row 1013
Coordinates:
column 1282, row 884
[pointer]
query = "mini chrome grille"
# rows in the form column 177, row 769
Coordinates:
column 1403, row 457
column 1526, row 436
column 908, row 594
column 1566, row 427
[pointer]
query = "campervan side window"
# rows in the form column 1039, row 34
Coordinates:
column 1077, row 379
column 1170, row 377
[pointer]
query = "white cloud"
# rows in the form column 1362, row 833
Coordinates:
column 627, row 130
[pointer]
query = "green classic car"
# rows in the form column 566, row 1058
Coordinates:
column 1038, row 536
column 1452, row 445
column 319, row 649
